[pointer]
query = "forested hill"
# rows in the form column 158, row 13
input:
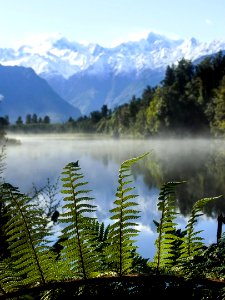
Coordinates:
column 190, row 100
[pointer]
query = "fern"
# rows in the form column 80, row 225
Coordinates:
column 100, row 243
column 9, row 280
column 78, row 255
column 26, row 235
column 166, row 227
column 101, row 233
column 87, row 246
column 192, row 242
column 122, row 231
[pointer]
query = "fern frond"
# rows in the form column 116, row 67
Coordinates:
column 26, row 235
column 166, row 227
column 192, row 242
column 122, row 230
column 9, row 280
column 78, row 254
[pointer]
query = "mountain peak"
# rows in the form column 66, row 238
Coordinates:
column 64, row 44
column 153, row 37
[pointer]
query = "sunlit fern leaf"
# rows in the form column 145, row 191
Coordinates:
column 78, row 254
column 101, row 233
column 122, row 231
column 8, row 277
column 27, row 238
column 192, row 242
column 166, row 227
column 100, row 244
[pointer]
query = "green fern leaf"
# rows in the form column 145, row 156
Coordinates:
column 78, row 254
column 192, row 242
column 9, row 280
column 166, row 226
column 26, row 232
column 122, row 230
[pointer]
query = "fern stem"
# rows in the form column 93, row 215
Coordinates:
column 159, row 239
column 120, row 243
column 77, row 231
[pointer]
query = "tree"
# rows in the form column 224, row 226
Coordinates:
column 147, row 96
column 28, row 119
column 40, row 121
column 169, row 76
column 95, row 116
column 184, row 72
column 104, row 111
column 218, row 123
column 7, row 120
column 134, row 108
column 3, row 123
column 34, row 119
column 19, row 121
column 152, row 113
column 70, row 120
column 46, row 119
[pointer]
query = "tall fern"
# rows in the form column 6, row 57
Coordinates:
column 166, row 227
column 78, row 255
column 26, row 235
column 122, row 230
column 192, row 242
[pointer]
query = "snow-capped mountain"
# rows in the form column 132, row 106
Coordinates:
column 88, row 76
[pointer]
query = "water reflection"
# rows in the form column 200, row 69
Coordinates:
column 200, row 162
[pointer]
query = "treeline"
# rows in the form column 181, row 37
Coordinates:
column 32, row 123
column 190, row 100
column 33, row 119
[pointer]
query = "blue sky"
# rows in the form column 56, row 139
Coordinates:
column 110, row 22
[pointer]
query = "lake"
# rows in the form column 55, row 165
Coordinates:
column 199, row 162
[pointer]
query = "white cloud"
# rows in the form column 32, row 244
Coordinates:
column 145, row 228
column 142, row 34
column 135, row 36
column 38, row 40
column 208, row 22
column 1, row 97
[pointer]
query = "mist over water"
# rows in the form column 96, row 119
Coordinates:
column 200, row 162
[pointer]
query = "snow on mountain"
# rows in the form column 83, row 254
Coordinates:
column 89, row 75
column 58, row 56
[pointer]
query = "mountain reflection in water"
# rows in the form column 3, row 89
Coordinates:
column 199, row 162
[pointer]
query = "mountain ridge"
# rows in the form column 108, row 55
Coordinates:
column 60, row 56
column 88, row 76
column 24, row 92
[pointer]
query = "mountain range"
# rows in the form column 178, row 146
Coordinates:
column 88, row 76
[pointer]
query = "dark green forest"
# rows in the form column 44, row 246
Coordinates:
column 190, row 100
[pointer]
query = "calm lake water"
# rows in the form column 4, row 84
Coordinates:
column 199, row 162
